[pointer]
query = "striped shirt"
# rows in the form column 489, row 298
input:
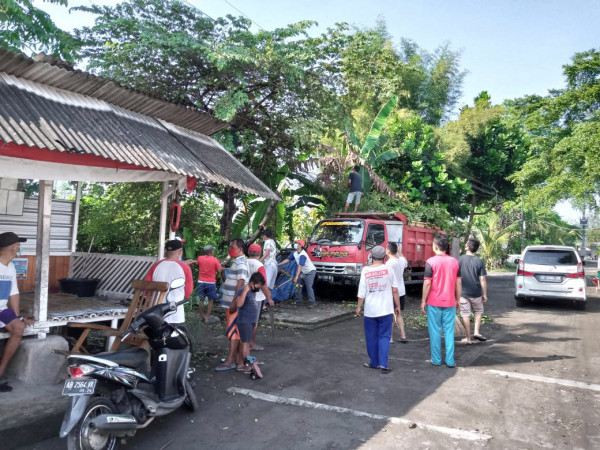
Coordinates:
column 238, row 271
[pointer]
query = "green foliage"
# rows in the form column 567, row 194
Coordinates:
column 563, row 162
column 419, row 169
column 27, row 29
column 485, row 148
column 121, row 217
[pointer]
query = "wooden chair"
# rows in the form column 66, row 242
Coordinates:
column 146, row 294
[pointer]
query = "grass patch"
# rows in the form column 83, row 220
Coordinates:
column 415, row 320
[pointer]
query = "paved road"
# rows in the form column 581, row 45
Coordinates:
column 534, row 384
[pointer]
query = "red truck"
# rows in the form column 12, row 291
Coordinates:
column 340, row 247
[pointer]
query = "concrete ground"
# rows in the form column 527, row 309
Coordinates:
column 534, row 384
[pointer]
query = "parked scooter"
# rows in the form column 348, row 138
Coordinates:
column 114, row 394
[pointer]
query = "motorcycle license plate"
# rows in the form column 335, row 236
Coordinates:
column 79, row 387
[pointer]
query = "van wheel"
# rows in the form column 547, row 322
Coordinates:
column 580, row 306
column 521, row 301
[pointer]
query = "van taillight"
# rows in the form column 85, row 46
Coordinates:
column 521, row 270
column 579, row 274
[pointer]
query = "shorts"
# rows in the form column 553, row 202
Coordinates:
column 246, row 330
column 402, row 302
column 354, row 196
column 7, row 316
column 231, row 326
column 466, row 303
column 207, row 290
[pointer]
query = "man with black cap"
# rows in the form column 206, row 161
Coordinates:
column 10, row 247
column 169, row 269
column 378, row 290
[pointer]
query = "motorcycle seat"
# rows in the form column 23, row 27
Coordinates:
column 134, row 358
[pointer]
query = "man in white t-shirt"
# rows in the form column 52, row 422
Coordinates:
column 378, row 290
column 398, row 264
column 306, row 273
column 268, row 258
column 10, row 247
column 169, row 269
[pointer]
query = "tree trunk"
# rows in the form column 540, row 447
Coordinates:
column 229, row 209
column 263, row 223
column 471, row 215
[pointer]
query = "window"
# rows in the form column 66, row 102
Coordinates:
column 551, row 257
column 375, row 235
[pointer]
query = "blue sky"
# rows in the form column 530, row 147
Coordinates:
column 510, row 48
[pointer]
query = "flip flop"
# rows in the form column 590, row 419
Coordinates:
column 369, row 366
column 402, row 341
column 385, row 370
column 224, row 367
column 432, row 363
column 479, row 337
column 5, row 388
column 464, row 341
column 257, row 348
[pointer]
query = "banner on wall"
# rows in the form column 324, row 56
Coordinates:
column 21, row 268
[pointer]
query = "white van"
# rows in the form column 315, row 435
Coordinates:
column 550, row 272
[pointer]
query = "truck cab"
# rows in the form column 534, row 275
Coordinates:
column 340, row 247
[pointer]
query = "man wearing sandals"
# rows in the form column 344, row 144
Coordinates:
column 378, row 290
column 208, row 268
column 474, row 290
column 441, row 294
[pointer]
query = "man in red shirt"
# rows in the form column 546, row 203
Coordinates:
column 169, row 269
column 441, row 295
column 208, row 267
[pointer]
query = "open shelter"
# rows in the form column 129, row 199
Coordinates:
column 57, row 123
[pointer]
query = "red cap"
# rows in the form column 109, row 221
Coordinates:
column 301, row 242
column 254, row 248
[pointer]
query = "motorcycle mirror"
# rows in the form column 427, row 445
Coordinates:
column 177, row 283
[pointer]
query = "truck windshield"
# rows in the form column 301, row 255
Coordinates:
column 339, row 232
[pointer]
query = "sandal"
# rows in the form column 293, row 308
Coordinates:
column 479, row 337
column 224, row 367
column 385, row 370
column 369, row 366
column 464, row 341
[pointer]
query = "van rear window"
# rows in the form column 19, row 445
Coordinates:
column 551, row 257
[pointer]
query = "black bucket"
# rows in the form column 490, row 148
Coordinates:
column 82, row 287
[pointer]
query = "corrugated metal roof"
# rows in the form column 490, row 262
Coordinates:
column 93, row 86
column 37, row 115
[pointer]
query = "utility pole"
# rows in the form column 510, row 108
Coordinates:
column 583, row 222
column 522, row 225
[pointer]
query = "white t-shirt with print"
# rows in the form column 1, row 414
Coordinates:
column 254, row 266
column 308, row 265
column 375, row 286
column 8, row 284
column 398, row 265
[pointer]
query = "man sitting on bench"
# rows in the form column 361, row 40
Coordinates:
column 10, row 247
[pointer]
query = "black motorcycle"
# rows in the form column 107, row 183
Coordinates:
column 114, row 394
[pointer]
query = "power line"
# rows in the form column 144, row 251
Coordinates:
column 244, row 14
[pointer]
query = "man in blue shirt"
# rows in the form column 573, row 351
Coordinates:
column 356, row 189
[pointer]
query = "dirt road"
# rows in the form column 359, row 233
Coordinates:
column 534, row 384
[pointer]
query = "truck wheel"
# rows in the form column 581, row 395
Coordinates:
column 83, row 435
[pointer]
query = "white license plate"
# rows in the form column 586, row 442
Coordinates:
column 551, row 278
column 326, row 277
column 79, row 386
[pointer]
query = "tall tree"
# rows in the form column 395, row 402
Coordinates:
column 565, row 130
column 27, row 29
column 274, row 87
column 486, row 149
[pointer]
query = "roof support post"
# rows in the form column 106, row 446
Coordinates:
column 76, row 218
column 164, row 203
column 42, row 260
